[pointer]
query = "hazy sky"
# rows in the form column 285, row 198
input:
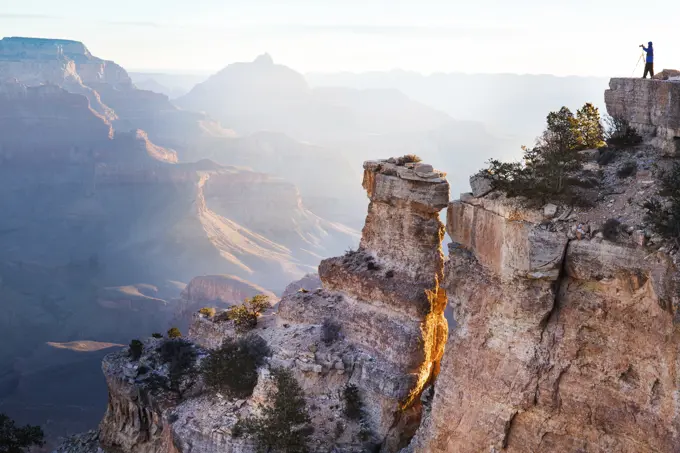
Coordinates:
column 582, row 37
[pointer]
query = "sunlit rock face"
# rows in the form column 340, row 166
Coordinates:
column 390, row 334
column 561, row 345
column 650, row 106
column 391, row 281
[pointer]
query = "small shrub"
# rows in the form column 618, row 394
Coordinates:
column 256, row 346
column 181, row 356
column 354, row 408
column 207, row 311
column 330, row 331
column 19, row 439
column 258, row 304
column 243, row 319
column 136, row 349
column 610, row 229
column 174, row 332
column 619, row 133
column 665, row 220
column 408, row 159
column 245, row 315
column 628, row 168
column 157, row 335
column 543, row 175
column 284, row 425
column 232, row 369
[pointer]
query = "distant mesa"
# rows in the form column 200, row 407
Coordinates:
column 38, row 47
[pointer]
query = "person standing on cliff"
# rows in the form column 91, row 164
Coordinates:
column 649, row 64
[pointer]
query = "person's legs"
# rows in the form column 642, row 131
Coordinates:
column 651, row 70
column 647, row 68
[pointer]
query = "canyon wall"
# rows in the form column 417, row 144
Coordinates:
column 565, row 337
column 391, row 281
column 580, row 358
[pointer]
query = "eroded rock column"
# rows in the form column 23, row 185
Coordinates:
column 386, row 296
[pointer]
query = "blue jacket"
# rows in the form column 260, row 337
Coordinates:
column 650, row 53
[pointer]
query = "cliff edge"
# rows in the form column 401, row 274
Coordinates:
column 376, row 324
column 567, row 333
column 566, row 337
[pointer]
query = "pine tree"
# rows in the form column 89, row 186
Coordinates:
column 285, row 424
column 562, row 131
column 542, row 175
column 589, row 127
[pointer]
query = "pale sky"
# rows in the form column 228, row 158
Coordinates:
column 575, row 37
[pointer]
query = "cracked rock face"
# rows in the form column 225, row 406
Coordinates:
column 391, row 281
column 585, row 362
column 651, row 106
column 387, row 305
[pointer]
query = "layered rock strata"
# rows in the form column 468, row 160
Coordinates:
column 561, row 346
column 391, row 281
column 650, row 106
column 386, row 305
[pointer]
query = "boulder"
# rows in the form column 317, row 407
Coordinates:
column 549, row 211
column 480, row 185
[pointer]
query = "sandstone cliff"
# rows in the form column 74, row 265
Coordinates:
column 392, row 280
column 565, row 337
column 580, row 358
column 651, row 106
column 566, row 341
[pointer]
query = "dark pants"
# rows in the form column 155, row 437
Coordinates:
column 649, row 68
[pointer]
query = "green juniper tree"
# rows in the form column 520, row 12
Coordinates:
column 284, row 425
column 589, row 127
column 545, row 168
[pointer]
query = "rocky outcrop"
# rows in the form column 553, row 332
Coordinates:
column 667, row 74
column 561, row 345
column 134, row 420
column 566, row 334
column 392, row 280
column 504, row 236
column 650, row 106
